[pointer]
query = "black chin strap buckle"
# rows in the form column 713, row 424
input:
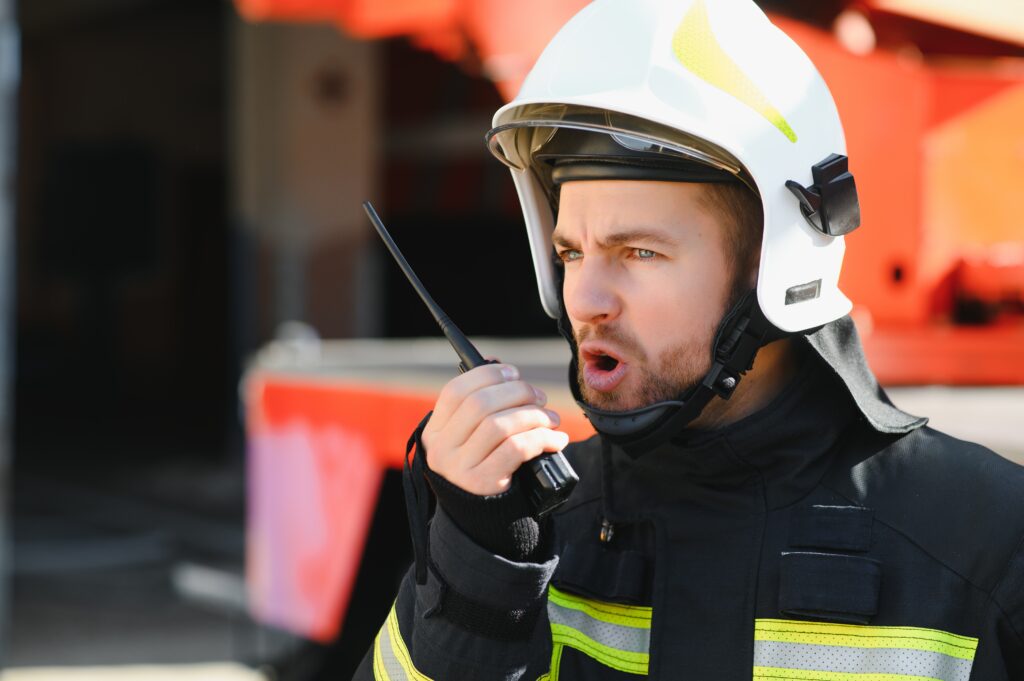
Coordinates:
column 720, row 381
column 743, row 332
column 830, row 204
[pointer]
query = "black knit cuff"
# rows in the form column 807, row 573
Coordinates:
column 502, row 523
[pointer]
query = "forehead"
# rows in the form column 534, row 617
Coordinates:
column 595, row 208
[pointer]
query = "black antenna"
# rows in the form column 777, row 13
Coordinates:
column 547, row 480
column 468, row 354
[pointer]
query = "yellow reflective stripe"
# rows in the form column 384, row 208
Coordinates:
column 862, row 636
column 398, row 646
column 389, row 649
column 779, row 674
column 556, row 663
column 380, row 673
column 636, row 616
column 633, row 663
column 696, row 48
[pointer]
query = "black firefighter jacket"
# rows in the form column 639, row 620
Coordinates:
column 828, row 537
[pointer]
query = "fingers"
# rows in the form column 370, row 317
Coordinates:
column 500, row 426
column 485, row 424
column 494, row 474
column 461, row 387
column 486, row 403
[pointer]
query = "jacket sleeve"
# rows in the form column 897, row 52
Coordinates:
column 478, row 616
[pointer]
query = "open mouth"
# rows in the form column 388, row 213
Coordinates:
column 606, row 362
column 602, row 371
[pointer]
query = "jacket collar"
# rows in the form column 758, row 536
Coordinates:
column 772, row 457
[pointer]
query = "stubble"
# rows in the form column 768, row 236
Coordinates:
column 668, row 376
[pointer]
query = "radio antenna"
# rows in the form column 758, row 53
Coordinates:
column 468, row 354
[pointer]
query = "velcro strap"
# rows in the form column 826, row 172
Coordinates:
column 842, row 528
column 488, row 621
column 596, row 572
column 829, row 586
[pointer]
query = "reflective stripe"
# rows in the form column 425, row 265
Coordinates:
column 785, row 649
column 696, row 48
column 391, row 659
column 617, row 636
column 556, row 663
column 826, row 633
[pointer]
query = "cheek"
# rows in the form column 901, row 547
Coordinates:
column 680, row 303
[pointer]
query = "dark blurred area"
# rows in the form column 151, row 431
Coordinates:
column 126, row 442
column 145, row 279
column 123, row 229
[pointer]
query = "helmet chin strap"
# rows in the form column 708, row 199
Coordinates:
column 742, row 332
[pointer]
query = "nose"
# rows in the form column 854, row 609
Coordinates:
column 590, row 294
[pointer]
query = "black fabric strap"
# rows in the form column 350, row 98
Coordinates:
column 502, row 523
column 485, row 620
column 417, row 498
column 829, row 586
column 840, row 528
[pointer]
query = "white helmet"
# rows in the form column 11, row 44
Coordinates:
column 712, row 81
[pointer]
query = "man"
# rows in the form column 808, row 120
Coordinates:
column 752, row 506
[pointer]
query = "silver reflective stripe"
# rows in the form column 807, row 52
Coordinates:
column 852, row 660
column 629, row 639
column 392, row 668
column 391, row 659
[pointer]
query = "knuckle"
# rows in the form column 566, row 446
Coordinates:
column 478, row 403
column 499, row 426
column 455, row 390
column 524, row 392
column 520, row 444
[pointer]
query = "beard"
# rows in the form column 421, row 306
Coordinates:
column 649, row 380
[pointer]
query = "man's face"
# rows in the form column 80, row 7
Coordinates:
column 647, row 281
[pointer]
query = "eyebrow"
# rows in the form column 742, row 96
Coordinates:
column 619, row 238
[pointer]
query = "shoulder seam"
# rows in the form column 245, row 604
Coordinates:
column 920, row 548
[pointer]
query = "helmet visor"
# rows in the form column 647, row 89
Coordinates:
column 532, row 127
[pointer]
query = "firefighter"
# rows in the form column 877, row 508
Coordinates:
column 752, row 505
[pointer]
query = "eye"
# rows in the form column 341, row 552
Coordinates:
column 644, row 254
column 569, row 255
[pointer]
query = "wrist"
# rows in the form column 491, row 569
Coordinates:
column 501, row 523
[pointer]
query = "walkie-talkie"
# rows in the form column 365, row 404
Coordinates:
column 546, row 480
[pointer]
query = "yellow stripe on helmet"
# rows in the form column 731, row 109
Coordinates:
column 696, row 48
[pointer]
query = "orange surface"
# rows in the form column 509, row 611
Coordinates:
column 317, row 452
column 948, row 355
column 935, row 148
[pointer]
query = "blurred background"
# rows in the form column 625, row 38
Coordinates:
column 209, row 366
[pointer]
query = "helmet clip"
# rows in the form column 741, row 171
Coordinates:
column 830, row 204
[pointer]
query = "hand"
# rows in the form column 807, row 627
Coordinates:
column 485, row 425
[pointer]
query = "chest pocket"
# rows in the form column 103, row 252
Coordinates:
column 616, row 636
column 792, row 650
